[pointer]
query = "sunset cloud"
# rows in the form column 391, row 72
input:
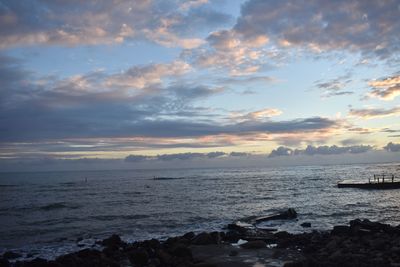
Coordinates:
column 372, row 113
column 386, row 89
column 102, row 22
column 368, row 27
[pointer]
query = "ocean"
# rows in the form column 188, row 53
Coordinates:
column 50, row 213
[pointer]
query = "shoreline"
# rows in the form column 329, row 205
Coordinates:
column 361, row 243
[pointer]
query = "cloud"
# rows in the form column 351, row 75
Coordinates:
column 336, row 86
column 392, row 147
column 258, row 115
column 226, row 49
column 93, row 22
column 320, row 150
column 136, row 158
column 369, row 27
column 372, row 113
column 386, row 89
column 281, row 151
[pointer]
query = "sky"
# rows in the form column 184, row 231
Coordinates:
column 146, row 83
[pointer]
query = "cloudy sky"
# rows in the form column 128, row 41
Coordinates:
column 153, row 80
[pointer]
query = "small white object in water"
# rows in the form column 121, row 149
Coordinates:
column 240, row 242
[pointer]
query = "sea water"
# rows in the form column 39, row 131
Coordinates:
column 49, row 213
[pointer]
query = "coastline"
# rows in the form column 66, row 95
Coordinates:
column 361, row 243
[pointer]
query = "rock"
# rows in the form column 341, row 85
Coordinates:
column 305, row 225
column 340, row 230
column 217, row 237
column 256, row 244
column 203, row 239
column 205, row 265
column 282, row 235
column 182, row 251
column 233, row 253
column 10, row 255
column 236, row 227
column 39, row 262
column 189, row 235
column 293, row 264
column 232, row 237
column 164, row 257
column 4, row 263
column 112, row 241
column 139, row 257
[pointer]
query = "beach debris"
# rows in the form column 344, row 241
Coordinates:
column 285, row 215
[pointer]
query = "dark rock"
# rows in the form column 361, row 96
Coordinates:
column 283, row 235
column 10, row 255
column 217, row 237
column 189, row 235
column 4, row 262
column 139, row 257
column 293, row 264
column 112, row 241
column 205, row 265
column 306, row 224
column 233, row 253
column 203, row 239
column 256, row 244
column 232, row 237
column 86, row 258
column 340, row 230
column 182, row 252
column 235, row 227
column 164, row 257
column 39, row 262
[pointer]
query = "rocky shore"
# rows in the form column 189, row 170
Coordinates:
column 361, row 243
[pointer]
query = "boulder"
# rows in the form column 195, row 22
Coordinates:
column 182, row 251
column 10, row 255
column 139, row 257
column 112, row 241
column 340, row 230
column 203, row 239
column 4, row 262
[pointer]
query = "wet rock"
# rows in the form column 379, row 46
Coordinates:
column 233, row 253
column 293, row 264
column 232, row 237
column 164, row 257
column 340, row 230
column 217, row 237
column 4, row 262
column 203, row 239
column 189, row 235
column 256, row 244
column 182, row 252
column 10, row 255
column 39, row 262
column 305, row 225
column 139, row 257
column 112, row 241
